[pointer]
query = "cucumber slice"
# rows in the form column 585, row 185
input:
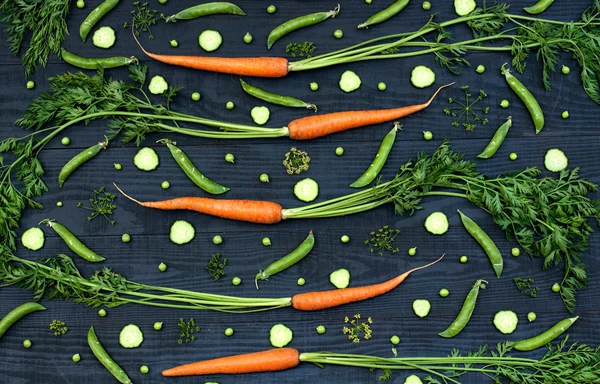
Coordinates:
column 413, row 379
column 464, row 7
column 158, row 85
column 146, row 159
column 555, row 160
column 422, row 76
column 260, row 115
column 437, row 223
column 340, row 278
column 33, row 238
column 506, row 321
column 421, row 307
column 182, row 232
column 349, row 81
column 306, row 190
column 280, row 335
column 104, row 37
column 210, row 40
column 131, row 336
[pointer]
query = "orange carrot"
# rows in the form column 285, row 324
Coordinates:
column 314, row 301
column 264, row 361
column 253, row 211
column 241, row 66
column 309, row 127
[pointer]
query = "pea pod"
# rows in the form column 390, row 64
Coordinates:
column 300, row 22
column 73, row 242
column 527, row 98
column 191, row 171
column 538, row 7
column 288, row 260
column 380, row 158
column 385, row 14
column 466, row 311
column 545, row 337
column 95, row 62
column 273, row 98
column 496, row 140
column 79, row 160
column 104, row 358
column 485, row 241
column 17, row 314
column 214, row 8
column 95, row 16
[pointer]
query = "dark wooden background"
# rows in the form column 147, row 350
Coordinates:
column 49, row 359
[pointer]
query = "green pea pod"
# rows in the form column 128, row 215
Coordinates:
column 73, row 242
column 538, row 7
column 300, row 22
column 496, row 140
column 273, row 98
column 214, row 8
column 466, row 311
column 527, row 98
column 380, row 158
column 288, row 260
column 485, row 241
column 104, row 358
column 545, row 337
column 385, row 14
column 79, row 160
column 191, row 171
column 96, row 62
column 18, row 313
column 95, row 16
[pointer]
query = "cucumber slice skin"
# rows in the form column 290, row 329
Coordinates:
column 182, row 232
column 306, row 190
column 421, row 307
column 131, row 336
column 146, row 159
column 422, row 76
column 349, row 81
column 340, row 278
column 210, row 40
column 506, row 321
column 158, row 85
column 33, row 238
column 280, row 335
column 437, row 223
column 104, row 37
column 260, row 115
column 555, row 160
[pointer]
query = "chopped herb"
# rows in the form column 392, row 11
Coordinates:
column 296, row 161
column 356, row 328
column 390, row 51
column 216, row 266
column 386, row 374
column 101, row 205
column 466, row 111
column 187, row 330
column 143, row 18
column 524, row 286
column 59, row 327
column 382, row 240
column 304, row 49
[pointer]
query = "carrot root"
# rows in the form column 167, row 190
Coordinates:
column 264, row 361
column 314, row 301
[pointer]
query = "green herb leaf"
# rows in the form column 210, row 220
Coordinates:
column 216, row 266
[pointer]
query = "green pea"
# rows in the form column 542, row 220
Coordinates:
column 229, row 332
column 444, row 292
column 76, row 358
column 102, row 312
column 27, row 343
column 480, row 69
column 516, row 252
column 427, row 135
column 236, row 281
column 513, row 156
column 504, row 103
column 126, row 237
column 266, row 241
column 368, row 1
column 118, row 166
column 314, row 86
column 158, row 325
column 321, row 329
column 464, row 259
column 144, row 368
column 163, row 1
column 80, row 4
column 174, row 43
column 345, row 239
column 196, row 96
column 217, row 239
column 412, row 251
column 247, row 38
column 271, row 9
column 65, row 141
column 30, row 84
column 395, row 340
column 229, row 105
column 565, row 70
column 531, row 316
column 565, row 115
column 165, row 185
column 264, row 178
column 338, row 34
column 339, row 151
column 162, row 267
column 230, row 158
column 381, row 86
column 426, row 5
column 59, row 203
column 301, row 281
column 556, row 287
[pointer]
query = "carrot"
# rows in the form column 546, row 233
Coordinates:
column 264, row 361
column 241, row 66
column 309, row 127
column 314, row 301
column 253, row 211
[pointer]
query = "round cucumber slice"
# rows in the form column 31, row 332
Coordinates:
column 33, row 238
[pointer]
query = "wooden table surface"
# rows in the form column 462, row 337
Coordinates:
column 49, row 359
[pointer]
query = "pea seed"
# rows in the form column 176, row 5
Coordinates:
column 314, row 86
column 163, row 1
column 556, row 287
column 513, row 156
column 165, row 185
column 247, row 38
column 480, row 69
column 158, row 325
column 174, row 43
column 444, row 292
column 230, row 158
column 229, row 105
column 229, row 332
column 118, row 166
column 301, row 281
column 30, row 84
column 426, row 5
column 531, row 316
column 321, row 329
column 266, row 241
column 504, row 103
column 126, row 238
column 27, row 343
column 338, row 34
column 76, row 358
column 264, row 178
column 345, row 239
column 102, row 312
column 162, row 267
column 412, row 251
column 339, row 151
column 427, row 135
column 565, row 70
column 271, row 9
column 65, row 141
column 80, row 4
column 395, row 340
column 196, row 96
column 565, row 115
column 236, row 281
column 59, row 203
column 368, row 1
column 381, row 86
column 516, row 252
column 217, row 239
column 144, row 368
column 464, row 259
